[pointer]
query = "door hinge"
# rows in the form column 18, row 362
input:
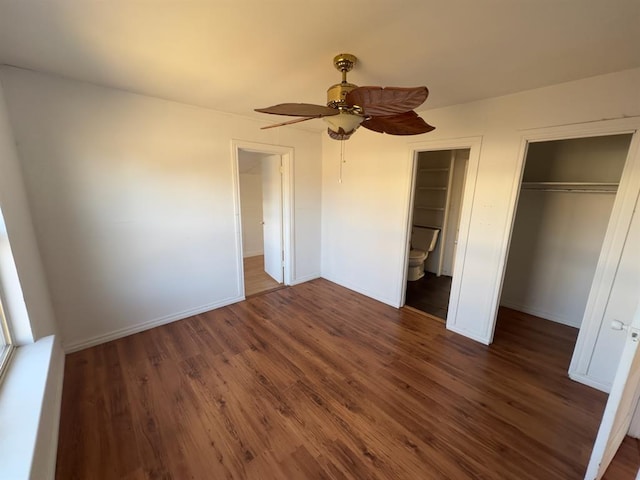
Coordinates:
column 635, row 334
column 281, row 169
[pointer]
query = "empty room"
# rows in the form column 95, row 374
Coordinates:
column 319, row 240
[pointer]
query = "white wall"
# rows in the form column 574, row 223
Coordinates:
column 364, row 218
column 593, row 159
column 21, row 274
column 556, row 243
column 251, row 202
column 132, row 200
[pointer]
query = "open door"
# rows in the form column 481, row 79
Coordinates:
column 621, row 404
column 272, row 216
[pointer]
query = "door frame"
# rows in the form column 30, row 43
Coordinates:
column 473, row 144
column 286, row 154
column 611, row 252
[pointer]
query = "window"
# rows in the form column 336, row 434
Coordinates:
column 8, row 279
column 5, row 341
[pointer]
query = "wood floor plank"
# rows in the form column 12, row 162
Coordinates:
column 318, row 382
column 256, row 280
column 625, row 464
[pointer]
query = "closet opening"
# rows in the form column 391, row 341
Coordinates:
column 439, row 180
column 563, row 210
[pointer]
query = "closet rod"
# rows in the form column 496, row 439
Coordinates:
column 428, row 226
column 570, row 190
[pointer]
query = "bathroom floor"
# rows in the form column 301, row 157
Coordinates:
column 430, row 294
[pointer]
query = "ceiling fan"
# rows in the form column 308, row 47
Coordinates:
column 384, row 110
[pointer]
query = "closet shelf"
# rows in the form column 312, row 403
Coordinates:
column 444, row 189
column 593, row 187
column 437, row 209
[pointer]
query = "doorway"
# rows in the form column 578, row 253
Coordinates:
column 567, row 196
column 438, row 187
column 264, row 217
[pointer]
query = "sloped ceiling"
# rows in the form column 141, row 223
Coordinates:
column 236, row 55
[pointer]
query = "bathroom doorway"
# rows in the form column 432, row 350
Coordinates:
column 264, row 217
column 438, row 187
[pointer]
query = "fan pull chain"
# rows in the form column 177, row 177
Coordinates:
column 342, row 160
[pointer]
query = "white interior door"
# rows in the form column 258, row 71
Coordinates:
column 621, row 404
column 272, row 216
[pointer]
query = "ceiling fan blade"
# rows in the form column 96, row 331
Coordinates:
column 377, row 101
column 407, row 123
column 300, row 110
column 290, row 122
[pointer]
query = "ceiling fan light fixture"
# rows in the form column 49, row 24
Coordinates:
column 343, row 123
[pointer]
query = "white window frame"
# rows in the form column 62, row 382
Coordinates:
column 6, row 342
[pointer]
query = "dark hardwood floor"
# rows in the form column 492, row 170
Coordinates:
column 626, row 463
column 430, row 294
column 318, row 382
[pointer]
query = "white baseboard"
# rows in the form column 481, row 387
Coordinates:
column 468, row 334
column 306, row 278
column 252, row 254
column 140, row 327
column 361, row 291
column 553, row 317
column 584, row 379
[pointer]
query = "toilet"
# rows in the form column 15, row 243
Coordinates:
column 423, row 241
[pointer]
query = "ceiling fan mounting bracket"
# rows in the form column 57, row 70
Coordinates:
column 344, row 62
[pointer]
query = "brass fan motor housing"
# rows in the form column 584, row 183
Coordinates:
column 336, row 94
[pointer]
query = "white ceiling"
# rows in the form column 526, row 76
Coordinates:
column 236, row 55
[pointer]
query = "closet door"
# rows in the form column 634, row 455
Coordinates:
column 620, row 405
column 272, row 217
column 622, row 304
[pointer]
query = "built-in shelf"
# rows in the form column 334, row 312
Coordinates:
column 595, row 187
column 431, row 198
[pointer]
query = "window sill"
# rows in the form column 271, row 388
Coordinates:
column 30, row 396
